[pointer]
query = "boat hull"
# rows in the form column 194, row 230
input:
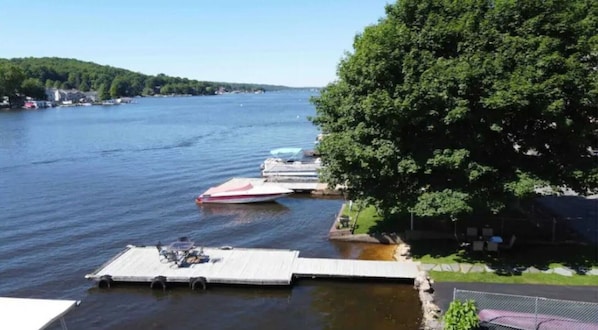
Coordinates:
column 238, row 199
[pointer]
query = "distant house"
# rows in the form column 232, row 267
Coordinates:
column 70, row 96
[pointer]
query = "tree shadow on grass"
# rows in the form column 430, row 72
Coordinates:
column 579, row 258
column 372, row 223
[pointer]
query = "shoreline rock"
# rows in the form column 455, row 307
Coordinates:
column 431, row 313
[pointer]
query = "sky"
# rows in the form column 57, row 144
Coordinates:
column 296, row 43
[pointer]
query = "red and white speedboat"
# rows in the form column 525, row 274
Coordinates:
column 242, row 193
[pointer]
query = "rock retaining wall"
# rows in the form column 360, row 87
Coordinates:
column 431, row 313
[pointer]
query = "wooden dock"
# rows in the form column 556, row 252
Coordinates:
column 241, row 266
column 347, row 268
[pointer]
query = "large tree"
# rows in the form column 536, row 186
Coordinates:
column 445, row 107
column 11, row 78
column 33, row 88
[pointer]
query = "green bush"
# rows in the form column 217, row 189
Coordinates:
column 461, row 316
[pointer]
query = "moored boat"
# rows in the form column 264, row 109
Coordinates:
column 291, row 162
column 242, row 193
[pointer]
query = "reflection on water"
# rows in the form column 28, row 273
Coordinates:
column 365, row 251
column 366, row 306
column 244, row 212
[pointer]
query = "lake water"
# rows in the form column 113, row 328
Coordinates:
column 79, row 184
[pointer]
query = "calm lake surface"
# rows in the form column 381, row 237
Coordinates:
column 79, row 184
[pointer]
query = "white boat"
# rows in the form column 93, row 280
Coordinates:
column 291, row 163
column 243, row 192
column 109, row 102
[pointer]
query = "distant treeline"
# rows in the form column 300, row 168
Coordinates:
column 64, row 73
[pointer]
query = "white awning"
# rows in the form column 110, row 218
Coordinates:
column 34, row 314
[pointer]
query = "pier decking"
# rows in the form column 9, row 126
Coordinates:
column 244, row 266
column 347, row 268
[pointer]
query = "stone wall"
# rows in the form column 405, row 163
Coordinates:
column 431, row 313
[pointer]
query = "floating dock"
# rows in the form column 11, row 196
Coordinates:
column 241, row 266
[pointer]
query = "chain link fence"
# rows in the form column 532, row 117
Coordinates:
column 504, row 311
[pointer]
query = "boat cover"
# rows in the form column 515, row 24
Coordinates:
column 241, row 186
column 285, row 151
column 519, row 320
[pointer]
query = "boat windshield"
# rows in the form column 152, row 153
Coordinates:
column 289, row 153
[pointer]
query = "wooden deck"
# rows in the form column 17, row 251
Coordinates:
column 346, row 268
column 244, row 266
column 235, row 266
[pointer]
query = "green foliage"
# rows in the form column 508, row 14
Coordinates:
column 70, row 73
column 83, row 86
column 525, row 278
column 103, row 93
column 461, row 316
column 33, row 88
column 11, row 78
column 440, row 203
column 448, row 106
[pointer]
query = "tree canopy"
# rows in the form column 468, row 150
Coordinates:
column 445, row 107
column 11, row 78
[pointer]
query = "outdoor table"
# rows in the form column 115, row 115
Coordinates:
column 181, row 249
column 180, row 246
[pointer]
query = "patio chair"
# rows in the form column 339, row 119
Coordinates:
column 477, row 246
column 487, row 232
column 492, row 247
column 510, row 244
column 168, row 256
column 471, row 232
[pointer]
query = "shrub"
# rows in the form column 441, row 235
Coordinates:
column 461, row 316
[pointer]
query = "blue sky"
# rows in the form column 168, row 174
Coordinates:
column 286, row 42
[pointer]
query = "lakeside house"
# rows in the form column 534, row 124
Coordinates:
column 70, row 96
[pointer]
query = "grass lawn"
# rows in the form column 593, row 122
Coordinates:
column 448, row 252
column 524, row 256
column 370, row 222
column 514, row 279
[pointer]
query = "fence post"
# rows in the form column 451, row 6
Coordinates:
column 536, row 314
column 454, row 293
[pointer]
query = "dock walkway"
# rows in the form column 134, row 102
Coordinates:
column 243, row 266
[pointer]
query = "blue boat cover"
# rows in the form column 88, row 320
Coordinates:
column 285, row 151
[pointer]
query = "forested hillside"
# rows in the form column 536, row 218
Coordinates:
column 108, row 81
